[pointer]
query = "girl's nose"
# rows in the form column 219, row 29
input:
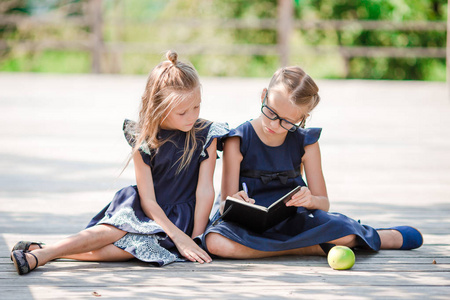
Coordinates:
column 275, row 123
column 194, row 115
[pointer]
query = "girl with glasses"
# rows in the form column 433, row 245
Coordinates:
column 264, row 159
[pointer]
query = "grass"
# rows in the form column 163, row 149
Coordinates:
column 48, row 61
column 324, row 66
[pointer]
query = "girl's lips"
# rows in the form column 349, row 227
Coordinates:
column 269, row 130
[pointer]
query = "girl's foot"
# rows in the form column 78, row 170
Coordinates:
column 27, row 246
column 390, row 239
column 36, row 246
column 23, row 261
column 400, row 237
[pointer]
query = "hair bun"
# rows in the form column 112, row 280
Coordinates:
column 172, row 56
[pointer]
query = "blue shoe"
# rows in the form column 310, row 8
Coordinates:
column 412, row 238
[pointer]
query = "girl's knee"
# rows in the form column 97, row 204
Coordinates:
column 348, row 240
column 219, row 245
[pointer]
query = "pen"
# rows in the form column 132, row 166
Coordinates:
column 244, row 187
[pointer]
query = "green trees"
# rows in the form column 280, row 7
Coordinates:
column 412, row 13
column 373, row 39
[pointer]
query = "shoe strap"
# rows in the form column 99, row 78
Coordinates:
column 39, row 244
column 37, row 261
column 28, row 244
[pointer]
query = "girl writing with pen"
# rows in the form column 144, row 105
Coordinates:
column 265, row 156
column 245, row 189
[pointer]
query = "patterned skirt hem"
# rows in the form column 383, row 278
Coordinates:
column 146, row 248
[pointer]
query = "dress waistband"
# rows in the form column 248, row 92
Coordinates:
column 267, row 176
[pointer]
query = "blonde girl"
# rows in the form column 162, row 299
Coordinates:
column 174, row 154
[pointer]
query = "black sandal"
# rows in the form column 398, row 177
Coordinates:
column 20, row 261
column 25, row 246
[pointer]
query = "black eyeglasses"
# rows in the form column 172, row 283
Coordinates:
column 270, row 114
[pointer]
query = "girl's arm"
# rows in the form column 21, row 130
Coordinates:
column 205, row 190
column 232, row 158
column 187, row 247
column 315, row 195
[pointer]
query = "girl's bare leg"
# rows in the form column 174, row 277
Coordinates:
column 390, row 239
column 85, row 241
column 224, row 247
column 107, row 253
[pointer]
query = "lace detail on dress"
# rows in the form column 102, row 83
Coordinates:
column 145, row 247
column 131, row 134
column 126, row 216
column 215, row 130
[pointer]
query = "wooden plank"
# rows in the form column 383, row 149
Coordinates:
column 260, row 23
column 371, row 25
column 272, row 264
column 226, row 49
column 379, row 257
column 93, row 270
column 284, row 276
column 5, row 262
column 219, row 291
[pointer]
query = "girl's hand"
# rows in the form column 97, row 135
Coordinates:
column 190, row 250
column 302, row 198
column 244, row 197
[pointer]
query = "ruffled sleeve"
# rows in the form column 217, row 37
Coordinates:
column 312, row 135
column 245, row 129
column 131, row 135
column 216, row 130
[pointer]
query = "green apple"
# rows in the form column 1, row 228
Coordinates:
column 341, row 258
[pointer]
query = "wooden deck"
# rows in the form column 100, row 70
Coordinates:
column 386, row 159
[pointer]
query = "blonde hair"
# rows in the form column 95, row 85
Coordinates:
column 302, row 89
column 169, row 83
column 300, row 86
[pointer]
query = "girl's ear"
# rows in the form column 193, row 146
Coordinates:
column 263, row 94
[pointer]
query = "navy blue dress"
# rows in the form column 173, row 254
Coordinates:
column 270, row 173
column 175, row 193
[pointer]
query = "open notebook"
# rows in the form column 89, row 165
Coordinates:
column 256, row 217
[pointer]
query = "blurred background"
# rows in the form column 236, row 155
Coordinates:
column 331, row 39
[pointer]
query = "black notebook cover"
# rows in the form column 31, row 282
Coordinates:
column 256, row 217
